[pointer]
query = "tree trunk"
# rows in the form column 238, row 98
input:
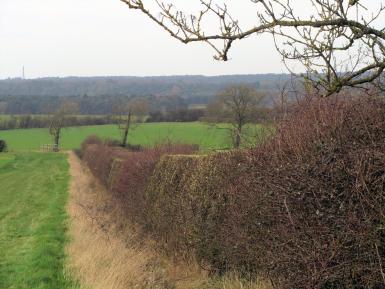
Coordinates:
column 56, row 140
column 126, row 130
column 238, row 132
column 125, row 137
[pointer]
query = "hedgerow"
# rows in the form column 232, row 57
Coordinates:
column 188, row 199
column 316, row 196
column 126, row 173
column 304, row 209
column 132, row 176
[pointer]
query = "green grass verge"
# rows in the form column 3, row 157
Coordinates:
column 208, row 137
column 33, row 194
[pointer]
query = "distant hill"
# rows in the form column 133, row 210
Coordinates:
column 24, row 95
column 185, row 86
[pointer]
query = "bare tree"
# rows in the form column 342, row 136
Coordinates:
column 287, row 93
column 340, row 43
column 59, row 121
column 129, row 114
column 236, row 104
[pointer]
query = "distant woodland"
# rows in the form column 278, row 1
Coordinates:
column 99, row 95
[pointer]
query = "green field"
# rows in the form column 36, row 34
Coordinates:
column 206, row 136
column 33, row 194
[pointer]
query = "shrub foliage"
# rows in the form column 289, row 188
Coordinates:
column 3, row 146
column 315, row 193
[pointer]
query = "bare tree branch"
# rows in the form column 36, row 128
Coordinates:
column 340, row 44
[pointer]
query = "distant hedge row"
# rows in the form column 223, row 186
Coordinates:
column 305, row 209
column 41, row 121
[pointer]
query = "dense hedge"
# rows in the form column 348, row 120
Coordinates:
column 304, row 209
column 188, row 199
column 316, row 195
column 126, row 172
column 180, row 115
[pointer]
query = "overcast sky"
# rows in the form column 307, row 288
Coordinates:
column 104, row 37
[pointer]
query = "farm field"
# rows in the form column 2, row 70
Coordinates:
column 206, row 136
column 34, row 190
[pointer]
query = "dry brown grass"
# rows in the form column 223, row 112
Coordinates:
column 106, row 253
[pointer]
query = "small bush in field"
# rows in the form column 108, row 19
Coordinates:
column 3, row 146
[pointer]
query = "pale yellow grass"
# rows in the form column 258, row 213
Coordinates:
column 106, row 253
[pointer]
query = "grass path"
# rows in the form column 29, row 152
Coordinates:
column 33, row 194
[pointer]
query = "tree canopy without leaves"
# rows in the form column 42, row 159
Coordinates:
column 129, row 113
column 340, row 43
column 238, row 105
column 59, row 120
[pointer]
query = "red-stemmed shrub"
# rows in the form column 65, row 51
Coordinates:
column 100, row 159
column 92, row 139
column 312, row 208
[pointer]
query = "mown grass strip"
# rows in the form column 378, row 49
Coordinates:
column 33, row 194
